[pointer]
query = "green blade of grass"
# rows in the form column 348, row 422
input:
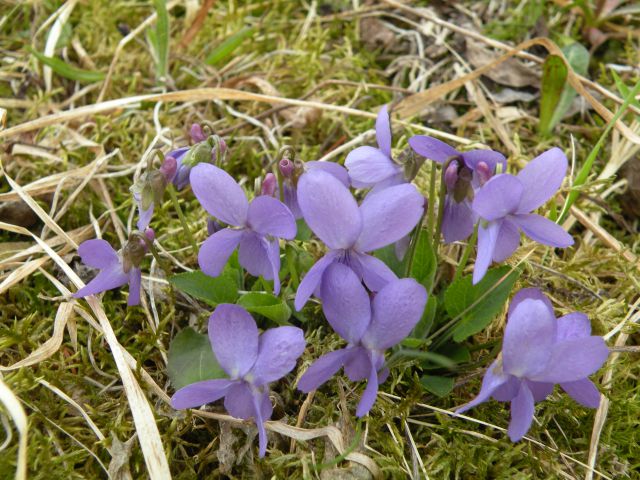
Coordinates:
column 160, row 39
column 554, row 77
column 583, row 174
column 226, row 48
column 66, row 70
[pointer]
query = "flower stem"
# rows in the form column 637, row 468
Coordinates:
column 465, row 254
column 183, row 220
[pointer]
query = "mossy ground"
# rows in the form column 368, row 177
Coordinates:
column 298, row 47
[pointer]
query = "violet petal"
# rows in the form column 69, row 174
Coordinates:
column 522, row 408
column 269, row 216
column 574, row 325
column 541, row 178
column 219, row 194
column 487, row 237
column 383, row 131
column 312, row 279
column 368, row 166
column 323, row 369
column 507, row 242
column 98, row 253
column 498, row 197
column 543, row 230
column 432, row 148
column 107, row 279
column 574, row 359
column 493, row 379
column 370, row 393
column 216, row 250
column 234, row 338
column 278, row 352
column 135, row 279
column 583, row 391
column 200, row 393
column 375, row 273
column 457, row 220
column 253, row 255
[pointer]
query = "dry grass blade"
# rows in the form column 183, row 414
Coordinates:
column 48, row 348
column 12, row 404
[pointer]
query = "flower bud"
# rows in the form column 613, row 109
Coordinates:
column 269, row 185
column 451, row 175
column 150, row 234
column 168, row 168
column 197, row 135
column 484, row 172
column 286, row 167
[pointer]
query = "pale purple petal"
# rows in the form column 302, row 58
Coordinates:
column 539, row 390
column 396, row 310
column 574, row 359
column 493, row 379
column 323, row 369
column 487, row 237
column 107, row 279
column 583, row 391
column 358, row 366
column 370, row 393
column 234, row 339
column 541, row 178
column 329, row 209
column 431, row 148
column 507, row 242
column 369, row 165
column 201, row 393
column 383, row 131
column 333, row 168
column 529, row 339
column 396, row 179
column 278, row 352
column 135, row 278
column 490, row 157
column 543, row 230
column 498, row 197
column 375, row 273
column 263, row 408
column 457, row 220
column 269, row 216
column 144, row 216
column 216, row 250
column 573, row 325
column 219, row 194
column 253, row 255
column 98, row 253
column 508, row 390
column 522, row 408
column 312, row 279
column 239, row 401
column 273, row 254
column 345, row 302
column 389, row 215
column 290, row 198
column 531, row 294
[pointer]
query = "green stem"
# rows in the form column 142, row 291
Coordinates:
column 465, row 254
column 183, row 220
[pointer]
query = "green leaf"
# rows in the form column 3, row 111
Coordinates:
column 623, row 89
column 475, row 306
column 304, row 232
column 578, row 58
column 432, row 357
column 439, row 386
column 554, row 77
column 191, row 359
column 222, row 289
column 160, row 39
column 424, row 263
column 226, row 48
column 66, row 70
column 390, row 259
column 266, row 305
column 423, row 327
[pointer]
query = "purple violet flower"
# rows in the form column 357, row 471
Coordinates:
column 464, row 175
column 539, row 351
column 375, row 167
column 505, row 204
column 251, row 360
column 350, row 231
column 370, row 327
column 253, row 227
column 115, row 269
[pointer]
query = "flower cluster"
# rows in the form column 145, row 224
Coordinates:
column 363, row 299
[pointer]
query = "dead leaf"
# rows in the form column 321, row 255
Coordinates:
column 510, row 95
column 511, row 72
column 226, row 453
column 631, row 198
column 374, row 34
column 18, row 213
column 120, row 455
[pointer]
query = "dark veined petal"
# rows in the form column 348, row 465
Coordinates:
column 493, row 379
column 541, row 179
column 278, row 351
column 368, row 166
column 457, row 220
column 312, row 279
column 200, row 393
column 396, row 310
column 98, row 253
column 431, row 148
column 323, row 369
column 389, row 215
column 219, row 194
column 234, row 338
column 216, row 250
column 583, row 391
column 487, row 238
column 522, row 407
column 329, row 209
column 529, row 339
column 543, row 230
column 383, row 131
column 135, row 279
column 498, row 197
column 345, row 302
column 269, row 216
column 574, row 359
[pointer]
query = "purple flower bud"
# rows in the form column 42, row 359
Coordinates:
column 197, row 135
column 484, row 172
column 169, row 167
column 286, row 167
column 451, row 175
column 269, row 185
column 150, row 234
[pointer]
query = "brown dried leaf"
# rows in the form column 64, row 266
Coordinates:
column 374, row 34
column 511, row 72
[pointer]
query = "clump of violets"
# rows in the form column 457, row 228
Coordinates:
column 504, row 205
column 465, row 173
column 370, row 326
column 254, row 228
column 252, row 361
column 351, row 231
column 116, row 269
column 539, row 351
